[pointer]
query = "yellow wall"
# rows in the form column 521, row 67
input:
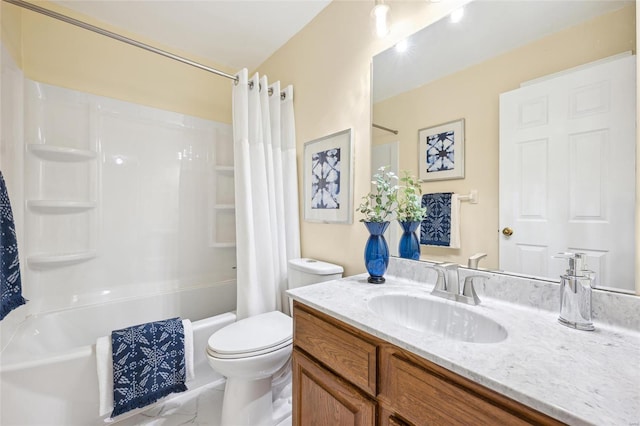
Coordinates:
column 474, row 94
column 11, row 30
column 61, row 54
column 329, row 64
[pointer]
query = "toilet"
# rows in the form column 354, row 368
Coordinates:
column 250, row 351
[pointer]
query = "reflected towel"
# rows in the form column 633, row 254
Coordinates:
column 441, row 226
column 104, row 364
column 10, row 283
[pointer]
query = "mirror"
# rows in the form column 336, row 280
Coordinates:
column 450, row 71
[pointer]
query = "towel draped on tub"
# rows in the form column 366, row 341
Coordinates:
column 10, row 283
column 140, row 364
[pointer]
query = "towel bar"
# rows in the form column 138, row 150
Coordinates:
column 472, row 197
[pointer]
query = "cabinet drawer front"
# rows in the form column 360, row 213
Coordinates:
column 345, row 353
column 424, row 398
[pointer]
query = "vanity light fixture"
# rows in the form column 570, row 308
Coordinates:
column 456, row 15
column 402, row 46
column 380, row 16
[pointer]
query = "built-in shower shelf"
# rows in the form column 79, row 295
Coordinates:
column 60, row 206
column 225, row 207
column 223, row 245
column 225, row 169
column 55, row 260
column 60, row 153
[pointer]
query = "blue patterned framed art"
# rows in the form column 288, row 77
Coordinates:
column 328, row 179
column 441, row 151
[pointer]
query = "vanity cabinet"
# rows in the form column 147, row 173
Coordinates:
column 343, row 376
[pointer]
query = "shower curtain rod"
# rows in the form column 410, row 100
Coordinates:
column 377, row 126
column 64, row 18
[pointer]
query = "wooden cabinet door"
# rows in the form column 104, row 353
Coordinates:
column 321, row 398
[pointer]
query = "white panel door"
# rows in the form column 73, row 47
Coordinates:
column 387, row 155
column 567, row 173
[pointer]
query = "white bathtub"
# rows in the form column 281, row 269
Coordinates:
column 48, row 369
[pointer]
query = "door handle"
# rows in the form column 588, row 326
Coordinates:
column 507, row 232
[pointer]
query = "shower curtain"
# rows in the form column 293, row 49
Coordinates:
column 266, row 193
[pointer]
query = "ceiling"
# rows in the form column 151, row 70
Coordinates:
column 487, row 29
column 232, row 33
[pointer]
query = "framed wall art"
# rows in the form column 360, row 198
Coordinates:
column 328, row 179
column 441, row 151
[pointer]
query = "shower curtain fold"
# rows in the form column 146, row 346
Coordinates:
column 265, row 236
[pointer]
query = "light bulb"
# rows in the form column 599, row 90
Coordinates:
column 402, row 46
column 381, row 17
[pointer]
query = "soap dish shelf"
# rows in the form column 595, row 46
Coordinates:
column 225, row 169
column 41, row 261
column 60, row 153
column 223, row 245
column 60, row 206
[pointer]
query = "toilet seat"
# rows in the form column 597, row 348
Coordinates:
column 252, row 336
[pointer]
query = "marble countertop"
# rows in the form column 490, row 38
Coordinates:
column 577, row 377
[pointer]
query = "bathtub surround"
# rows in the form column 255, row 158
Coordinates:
column 123, row 203
column 10, row 282
column 122, row 200
column 267, row 229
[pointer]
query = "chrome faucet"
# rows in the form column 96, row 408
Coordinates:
column 575, row 293
column 448, row 286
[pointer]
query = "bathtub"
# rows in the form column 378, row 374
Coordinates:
column 48, row 369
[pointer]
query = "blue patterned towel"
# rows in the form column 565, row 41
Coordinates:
column 10, row 283
column 148, row 363
column 441, row 225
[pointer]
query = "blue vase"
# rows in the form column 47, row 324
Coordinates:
column 409, row 247
column 376, row 251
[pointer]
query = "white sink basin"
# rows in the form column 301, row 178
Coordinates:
column 435, row 316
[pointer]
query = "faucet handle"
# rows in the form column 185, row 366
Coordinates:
column 446, row 266
column 447, row 277
column 472, row 263
column 441, row 281
column 469, row 290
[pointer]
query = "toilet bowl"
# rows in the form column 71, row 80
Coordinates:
column 250, row 351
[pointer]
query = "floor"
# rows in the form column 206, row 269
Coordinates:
column 203, row 407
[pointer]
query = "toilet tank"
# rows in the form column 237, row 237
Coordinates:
column 310, row 271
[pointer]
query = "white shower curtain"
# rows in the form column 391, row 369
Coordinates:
column 266, row 193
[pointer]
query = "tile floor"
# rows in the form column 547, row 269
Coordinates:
column 202, row 407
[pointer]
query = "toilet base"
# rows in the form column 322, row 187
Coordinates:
column 247, row 402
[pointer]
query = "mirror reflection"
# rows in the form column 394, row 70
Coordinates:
column 546, row 93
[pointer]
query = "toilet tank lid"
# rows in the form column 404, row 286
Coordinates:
column 313, row 266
